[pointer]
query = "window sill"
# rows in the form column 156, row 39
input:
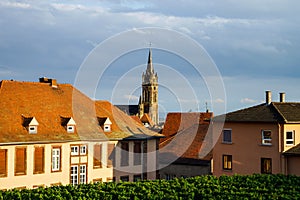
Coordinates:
column 227, row 142
column 55, row 171
column 227, row 170
column 266, row 145
column 38, row 173
column 20, row 174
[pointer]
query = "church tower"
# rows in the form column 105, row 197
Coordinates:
column 149, row 99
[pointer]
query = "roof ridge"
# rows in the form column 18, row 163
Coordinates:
column 243, row 109
column 272, row 103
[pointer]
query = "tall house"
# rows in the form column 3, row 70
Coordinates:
column 260, row 139
column 149, row 99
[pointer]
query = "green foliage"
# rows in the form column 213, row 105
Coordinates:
column 203, row 187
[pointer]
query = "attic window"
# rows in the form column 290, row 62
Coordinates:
column 105, row 123
column 70, row 129
column 68, row 123
column 32, row 129
column 31, row 124
column 107, row 128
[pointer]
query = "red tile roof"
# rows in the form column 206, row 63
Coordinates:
column 49, row 105
column 185, row 133
column 146, row 119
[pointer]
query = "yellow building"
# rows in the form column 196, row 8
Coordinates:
column 261, row 139
column 53, row 134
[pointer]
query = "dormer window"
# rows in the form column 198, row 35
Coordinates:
column 32, row 129
column 69, row 124
column 31, row 124
column 105, row 123
column 70, row 129
column 107, row 128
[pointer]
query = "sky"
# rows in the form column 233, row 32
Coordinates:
column 254, row 45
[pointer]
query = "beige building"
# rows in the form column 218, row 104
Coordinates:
column 53, row 134
column 259, row 139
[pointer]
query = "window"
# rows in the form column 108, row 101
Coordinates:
column 137, row 153
column 56, row 159
column 78, row 176
column 97, row 155
column 227, row 136
column 32, row 129
column 107, row 128
column 124, row 178
column 290, row 138
column 97, row 180
column 20, row 161
column 137, row 177
column 227, row 162
column 110, row 155
column 83, row 150
column 124, row 153
column 70, row 129
column 82, row 174
column 3, row 162
column 74, row 174
column 266, row 165
column 39, row 160
column 266, row 137
column 74, row 150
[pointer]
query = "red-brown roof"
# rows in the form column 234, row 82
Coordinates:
column 50, row 106
column 176, row 122
column 185, row 133
column 146, row 119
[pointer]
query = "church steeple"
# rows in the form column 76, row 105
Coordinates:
column 149, row 77
column 149, row 97
column 149, row 65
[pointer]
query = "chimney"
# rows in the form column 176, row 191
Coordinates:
column 282, row 97
column 268, row 97
column 52, row 82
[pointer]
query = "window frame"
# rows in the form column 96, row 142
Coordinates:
column 107, row 128
column 110, row 155
column 124, row 154
column 82, row 175
column 74, row 175
column 4, row 162
column 124, row 178
column 57, row 166
column 72, row 148
column 264, row 140
column 83, row 146
column 227, row 164
column 137, row 150
column 262, row 165
column 70, row 129
column 290, row 140
column 223, row 136
column 17, row 160
column 35, row 171
column 97, row 156
column 32, row 131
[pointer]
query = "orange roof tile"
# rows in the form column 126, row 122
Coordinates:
column 146, row 119
column 137, row 119
column 50, row 105
column 185, row 133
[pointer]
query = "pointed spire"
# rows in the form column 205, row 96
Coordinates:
column 149, row 66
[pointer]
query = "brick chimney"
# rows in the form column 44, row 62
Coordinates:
column 268, row 97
